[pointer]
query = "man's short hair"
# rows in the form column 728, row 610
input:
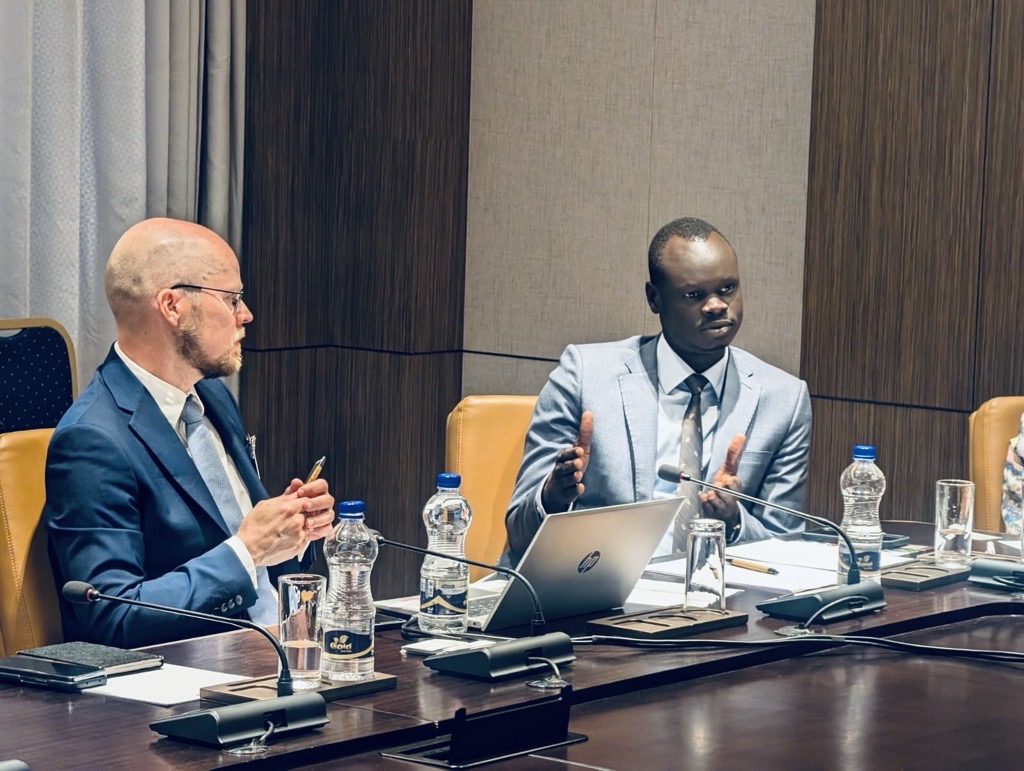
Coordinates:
column 687, row 228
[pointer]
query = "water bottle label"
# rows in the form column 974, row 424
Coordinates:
column 440, row 598
column 868, row 561
column 342, row 644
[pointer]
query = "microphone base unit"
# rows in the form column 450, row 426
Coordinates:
column 240, row 723
column 1004, row 575
column 505, row 659
column 843, row 602
column 265, row 688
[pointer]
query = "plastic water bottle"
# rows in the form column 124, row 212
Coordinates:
column 862, row 485
column 349, row 612
column 444, row 584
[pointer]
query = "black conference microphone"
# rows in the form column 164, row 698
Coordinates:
column 854, row 599
column 83, row 593
column 503, row 659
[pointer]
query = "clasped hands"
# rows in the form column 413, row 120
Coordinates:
column 279, row 528
column 565, row 482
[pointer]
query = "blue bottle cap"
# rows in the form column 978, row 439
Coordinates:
column 351, row 509
column 448, row 479
column 863, row 452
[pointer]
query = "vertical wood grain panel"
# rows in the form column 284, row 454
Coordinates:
column 999, row 369
column 894, row 198
column 897, row 195
column 354, row 248
column 356, row 168
column 915, row 448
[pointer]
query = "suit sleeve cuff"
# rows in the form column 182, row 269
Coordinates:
column 244, row 557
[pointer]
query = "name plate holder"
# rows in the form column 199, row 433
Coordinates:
column 671, row 622
column 260, row 689
column 498, row 734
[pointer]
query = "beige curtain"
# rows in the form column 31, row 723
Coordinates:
column 113, row 111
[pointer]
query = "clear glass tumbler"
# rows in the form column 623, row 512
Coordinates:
column 954, row 522
column 705, row 565
column 300, row 597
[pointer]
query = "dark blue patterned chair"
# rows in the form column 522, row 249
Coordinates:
column 38, row 381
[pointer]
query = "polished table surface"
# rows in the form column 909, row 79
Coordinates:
column 849, row 708
column 761, row 690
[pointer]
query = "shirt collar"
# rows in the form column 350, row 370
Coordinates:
column 170, row 399
column 672, row 370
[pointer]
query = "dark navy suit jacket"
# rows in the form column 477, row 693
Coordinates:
column 127, row 511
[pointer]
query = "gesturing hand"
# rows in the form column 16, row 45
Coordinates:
column 564, row 485
column 722, row 505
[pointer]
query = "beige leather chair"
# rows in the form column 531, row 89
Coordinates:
column 29, row 613
column 484, row 443
column 989, row 431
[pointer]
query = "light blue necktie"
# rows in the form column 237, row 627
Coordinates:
column 691, row 461
column 204, row 454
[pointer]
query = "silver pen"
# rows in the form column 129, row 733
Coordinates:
column 250, row 442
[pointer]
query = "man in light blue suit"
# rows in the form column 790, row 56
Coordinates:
column 610, row 413
column 152, row 490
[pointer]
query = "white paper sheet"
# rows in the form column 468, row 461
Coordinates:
column 808, row 554
column 661, row 594
column 165, row 687
column 1013, row 544
column 802, row 565
column 790, row 578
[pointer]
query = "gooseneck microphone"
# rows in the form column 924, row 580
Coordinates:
column 854, row 599
column 676, row 474
column 537, row 623
column 84, row 593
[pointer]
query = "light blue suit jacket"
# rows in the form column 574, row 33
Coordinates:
column 128, row 512
column 618, row 382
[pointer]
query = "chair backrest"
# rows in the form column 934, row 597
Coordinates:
column 38, row 380
column 989, row 431
column 484, row 443
column 29, row 613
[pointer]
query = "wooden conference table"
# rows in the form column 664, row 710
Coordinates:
column 843, row 708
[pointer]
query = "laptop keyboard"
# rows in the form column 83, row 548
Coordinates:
column 479, row 607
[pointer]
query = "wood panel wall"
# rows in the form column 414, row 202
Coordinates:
column 999, row 365
column 357, row 141
column 913, row 263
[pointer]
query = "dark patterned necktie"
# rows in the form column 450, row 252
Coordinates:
column 691, row 461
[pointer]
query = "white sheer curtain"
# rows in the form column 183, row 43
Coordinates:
column 110, row 111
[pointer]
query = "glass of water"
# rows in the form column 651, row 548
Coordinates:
column 300, row 597
column 954, row 522
column 705, row 565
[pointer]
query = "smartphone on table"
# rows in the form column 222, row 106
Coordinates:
column 57, row 675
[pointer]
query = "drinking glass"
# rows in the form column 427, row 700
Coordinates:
column 705, row 565
column 300, row 597
column 954, row 522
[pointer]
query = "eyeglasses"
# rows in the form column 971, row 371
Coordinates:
column 236, row 297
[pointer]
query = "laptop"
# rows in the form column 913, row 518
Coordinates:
column 578, row 562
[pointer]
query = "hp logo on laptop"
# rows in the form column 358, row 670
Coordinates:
column 588, row 562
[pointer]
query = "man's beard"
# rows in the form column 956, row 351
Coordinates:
column 191, row 351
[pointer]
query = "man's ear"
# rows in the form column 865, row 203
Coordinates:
column 168, row 305
column 653, row 299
